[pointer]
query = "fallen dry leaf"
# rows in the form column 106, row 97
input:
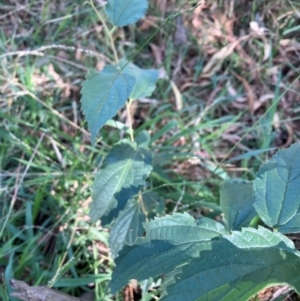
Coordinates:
column 250, row 94
column 215, row 62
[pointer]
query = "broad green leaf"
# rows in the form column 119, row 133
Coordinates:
column 103, row 94
column 237, row 267
column 121, row 177
column 237, row 203
column 112, row 214
column 126, row 194
column 145, row 79
column 277, row 190
column 127, row 227
column 125, row 12
column 170, row 241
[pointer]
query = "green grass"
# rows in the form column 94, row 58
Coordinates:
column 46, row 158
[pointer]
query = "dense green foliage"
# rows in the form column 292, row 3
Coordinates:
column 220, row 265
column 227, row 98
column 199, row 259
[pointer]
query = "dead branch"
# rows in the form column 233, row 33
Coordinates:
column 38, row 293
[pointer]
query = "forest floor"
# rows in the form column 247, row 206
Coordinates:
column 229, row 96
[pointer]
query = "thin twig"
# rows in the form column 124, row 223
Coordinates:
column 128, row 104
column 109, row 34
column 282, row 291
column 180, row 198
column 38, row 293
column 39, row 51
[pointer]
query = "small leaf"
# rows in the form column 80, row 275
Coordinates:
column 122, row 176
column 118, row 125
column 237, row 203
column 277, row 190
column 237, row 267
column 142, row 139
column 127, row 227
column 170, row 241
column 103, row 94
column 125, row 12
column 153, row 204
column 145, row 79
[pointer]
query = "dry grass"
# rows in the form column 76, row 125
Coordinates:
column 233, row 88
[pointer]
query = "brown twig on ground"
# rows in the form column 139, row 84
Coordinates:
column 38, row 293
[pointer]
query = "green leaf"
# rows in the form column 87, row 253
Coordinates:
column 121, row 177
column 153, row 204
column 125, row 12
column 170, row 241
column 126, row 194
column 118, row 125
column 145, row 79
column 277, row 190
column 142, row 139
column 237, row 267
column 127, row 227
column 103, row 94
column 237, row 203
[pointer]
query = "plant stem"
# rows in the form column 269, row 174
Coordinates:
column 128, row 104
column 140, row 200
column 57, row 273
column 255, row 222
column 107, row 31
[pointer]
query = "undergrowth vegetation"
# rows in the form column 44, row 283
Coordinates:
column 227, row 97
